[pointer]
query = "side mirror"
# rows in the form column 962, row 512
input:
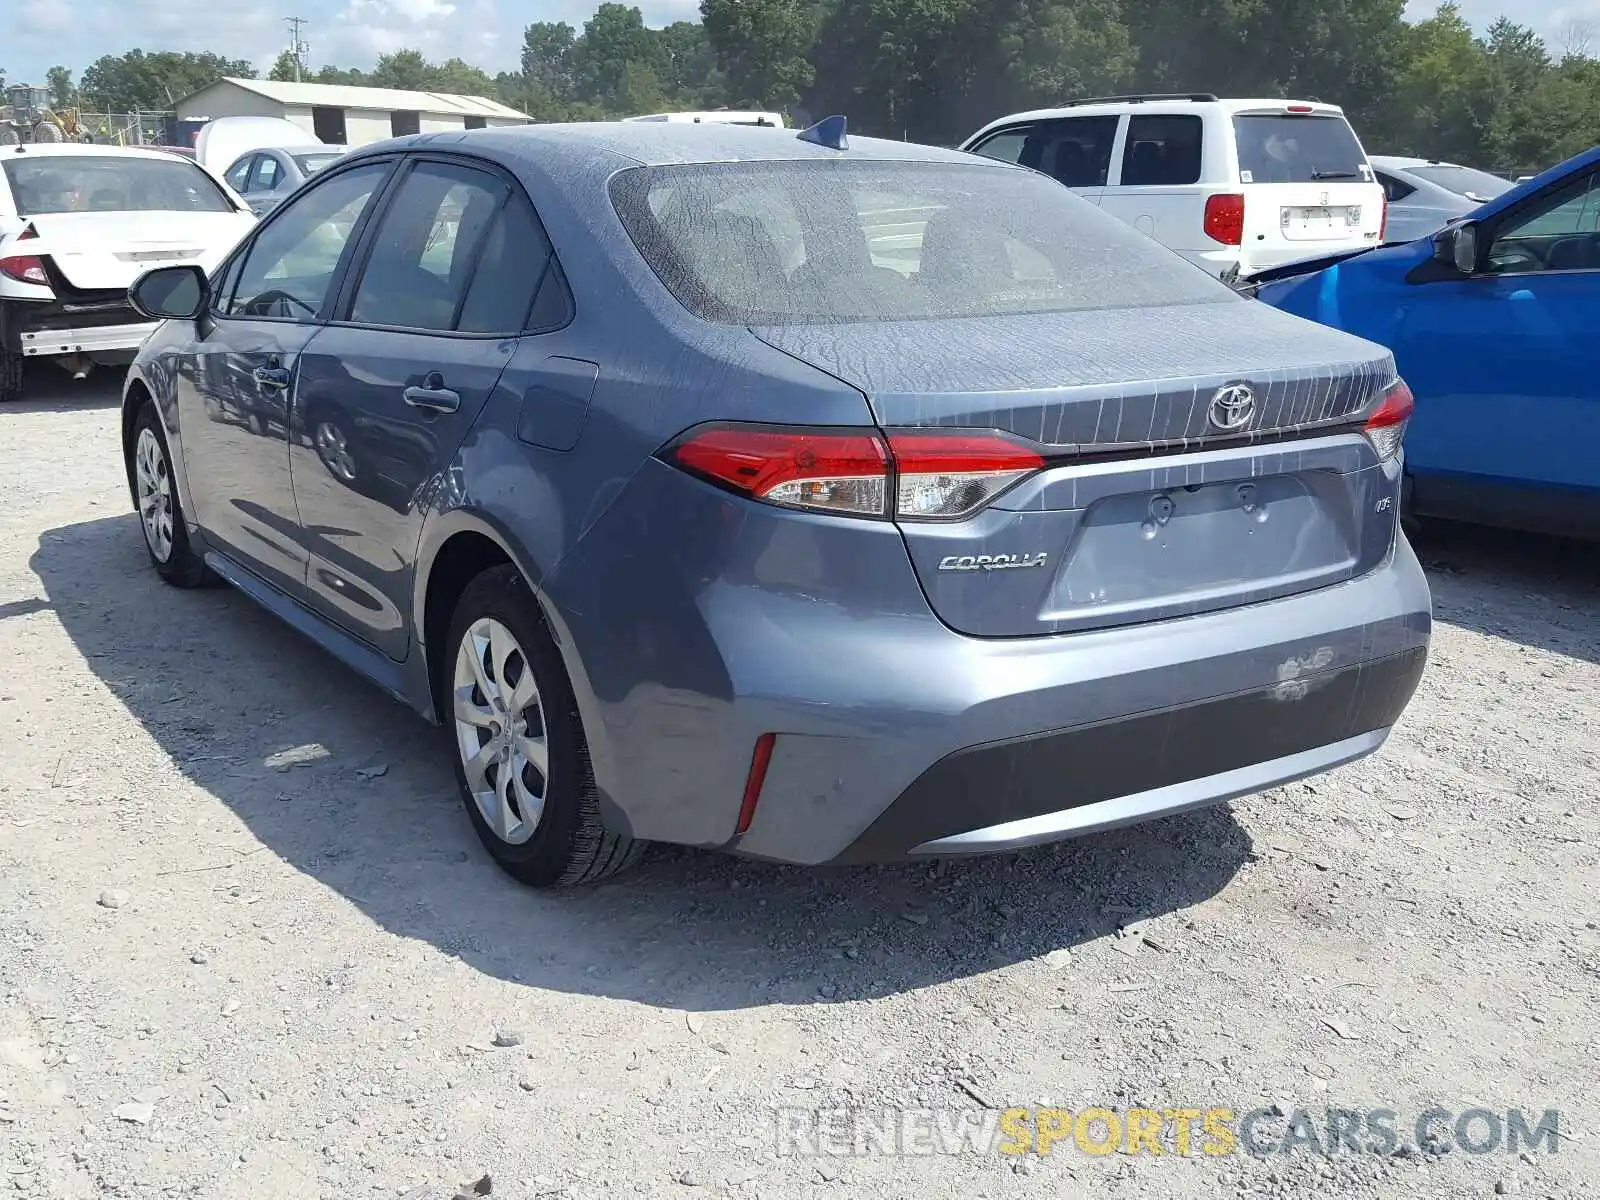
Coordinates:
column 170, row 293
column 1458, row 246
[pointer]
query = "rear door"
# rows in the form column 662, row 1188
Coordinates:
column 389, row 391
column 1156, row 187
column 1308, row 187
column 1075, row 151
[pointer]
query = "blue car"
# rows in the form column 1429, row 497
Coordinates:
column 1491, row 322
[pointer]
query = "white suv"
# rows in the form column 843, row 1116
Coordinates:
column 1235, row 186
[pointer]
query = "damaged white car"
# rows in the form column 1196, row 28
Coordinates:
column 78, row 224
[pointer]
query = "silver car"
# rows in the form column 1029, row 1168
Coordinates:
column 1426, row 195
column 812, row 499
column 265, row 178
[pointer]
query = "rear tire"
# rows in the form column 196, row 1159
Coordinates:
column 10, row 376
column 517, row 742
column 155, row 493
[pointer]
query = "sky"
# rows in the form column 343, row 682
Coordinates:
column 352, row 33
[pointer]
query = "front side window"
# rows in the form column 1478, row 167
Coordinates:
column 426, row 248
column 289, row 268
column 1559, row 232
column 1163, row 151
column 814, row 242
column 1285, row 148
column 1075, row 151
column 63, row 183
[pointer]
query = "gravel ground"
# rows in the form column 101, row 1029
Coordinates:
column 249, row 946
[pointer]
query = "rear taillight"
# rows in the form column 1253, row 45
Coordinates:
column 1224, row 220
column 24, row 268
column 1386, row 427
column 1383, row 222
column 913, row 475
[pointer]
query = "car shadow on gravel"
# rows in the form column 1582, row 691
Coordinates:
column 1541, row 592
column 350, row 788
column 46, row 388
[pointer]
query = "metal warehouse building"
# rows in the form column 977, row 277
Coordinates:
column 347, row 116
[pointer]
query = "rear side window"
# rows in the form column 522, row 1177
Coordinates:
column 1394, row 188
column 1075, row 151
column 1163, row 151
column 1280, row 148
column 238, row 173
column 817, row 242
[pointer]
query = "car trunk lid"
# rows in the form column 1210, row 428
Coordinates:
column 99, row 251
column 1163, row 492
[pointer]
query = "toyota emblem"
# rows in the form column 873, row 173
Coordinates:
column 1233, row 407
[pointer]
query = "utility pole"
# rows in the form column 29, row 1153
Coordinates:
column 297, row 47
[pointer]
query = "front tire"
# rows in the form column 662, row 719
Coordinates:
column 521, row 759
column 155, row 498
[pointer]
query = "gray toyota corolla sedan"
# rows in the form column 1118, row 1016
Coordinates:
column 818, row 499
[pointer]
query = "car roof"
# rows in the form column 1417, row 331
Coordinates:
column 82, row 150
column 1164, row 107
column 661, row 143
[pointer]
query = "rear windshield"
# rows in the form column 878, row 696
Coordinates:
column 60, row 183
column 312, row 163
column 1463, row 181
column 809, row 242
column 1278, row 148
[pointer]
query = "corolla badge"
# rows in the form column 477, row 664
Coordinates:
column 1233, row 407
column 991, row 562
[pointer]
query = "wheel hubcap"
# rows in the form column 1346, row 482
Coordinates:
column 154, row 486
column 500, row 731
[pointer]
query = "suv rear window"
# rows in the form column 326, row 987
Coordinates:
column 805, row 242
column 1278, row 148
column 60, row 183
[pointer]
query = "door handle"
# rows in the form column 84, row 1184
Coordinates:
column 272, row 377
column 438, row 399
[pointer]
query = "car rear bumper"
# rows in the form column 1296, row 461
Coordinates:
column 694, row 626
column 38, row 329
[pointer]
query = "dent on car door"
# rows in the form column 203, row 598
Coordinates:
column 1502, row 362
column 237, row 412
column 389, row 392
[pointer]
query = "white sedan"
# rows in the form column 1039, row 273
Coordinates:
column 78, row 224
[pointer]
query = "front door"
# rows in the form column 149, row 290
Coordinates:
column 236, row 417
column 1503, row 362
column 389, row 392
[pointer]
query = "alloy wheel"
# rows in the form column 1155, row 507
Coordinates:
column 154, row 483
column 500, row 731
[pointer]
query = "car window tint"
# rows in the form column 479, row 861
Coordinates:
column 265, row 176
column 293, row 259
column 1163, row 151
column 511, row 270
column 1276, row 148
column 1006, row 146
column 65, row 183
column 1560, row 232
column 425, row 247
column 239, row 173
column 1394, row 188
column 809, row 242
column 1075, row 151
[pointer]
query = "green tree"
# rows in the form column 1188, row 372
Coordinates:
column 404, row 69
column 765, row 48
column 459, row 78
column 286, row 68
column 157, row 80
column 547, row 58
column 615, row 49
column 63, row 92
